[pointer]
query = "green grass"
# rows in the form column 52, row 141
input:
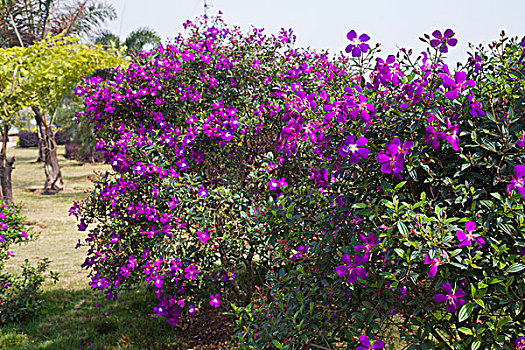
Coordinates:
column 74, row 316
column 48, row 214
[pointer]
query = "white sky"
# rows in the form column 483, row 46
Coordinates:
column 324, row 24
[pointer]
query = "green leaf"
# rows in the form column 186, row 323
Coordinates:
column 400, row 252
column 465, row 330
column 465, row 312
column 399, row 185
column 359, row 206
column 475, row 345
column 402, row 228
column 277, row 344
column 516, row 267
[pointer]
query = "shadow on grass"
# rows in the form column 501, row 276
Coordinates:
column 83, row 319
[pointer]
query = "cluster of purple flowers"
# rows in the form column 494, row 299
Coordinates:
column 198, row 117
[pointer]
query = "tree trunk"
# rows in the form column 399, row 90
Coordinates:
column 6, row 188
column 6, row 167
column 41, row 143
column 49, row 153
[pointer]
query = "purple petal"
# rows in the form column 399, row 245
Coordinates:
column 519, row 171
column 356, row 52
column 363, row 152
column 386, row 168
column 448, row 33
column 448, row 81
column 383, row 158
column 359, row 260
column 351, row 35
column 364, row 47
column 460, row 293
column 465, row 242
column 361, row 141
column 447, row 288
column 460, row 77
column 363, row 339
column 350, row 140
column 436, row 34
column 360, row 272
column 364, row 37
column 452, row 41
column 433, row 270
column 397, row 168
column 379, row 344
column 354, row 158
column 461, row 235
column 346, row 259
column 460, row 303
column 480, row 240
column 451, row 95
column 351, row 278
column 359, row 248
column 451, row 307
column 328, row 107
column 440, row 298
column 341, row 270
column 470, row 226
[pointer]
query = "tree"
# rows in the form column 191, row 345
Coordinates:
column 28, row 22
column 135, row 42
column 25, row 22
column 10, row 105
column 46, row 72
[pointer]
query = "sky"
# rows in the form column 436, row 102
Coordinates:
column 324, row 24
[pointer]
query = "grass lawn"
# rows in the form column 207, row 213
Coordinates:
column 75, row 317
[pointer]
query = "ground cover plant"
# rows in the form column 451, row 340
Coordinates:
column 322, row 201
column 20, row 296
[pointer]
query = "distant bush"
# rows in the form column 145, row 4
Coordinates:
column 27, row 139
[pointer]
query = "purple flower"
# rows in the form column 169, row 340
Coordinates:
column 452, row 299
column 432, row 134
column 351, row 147
column 82, row 226
column 520, row 342
column 361, row 108
column 442, row 41
column 365, row 344
column 357, row 45
column 351, row 268
column 475, row 61
column 434, row 265
column 191, row 272
column 273, row 184
column 215, row 300
column 337, row 110
column 456, row 86
column 192, row 310
column 521, row 141
column 393, row 157
column 467, row 238
column 203, row 235
column 518, row 182
column 368, row 243
column 203, row 192
column 300, row 252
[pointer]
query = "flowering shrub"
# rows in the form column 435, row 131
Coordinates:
column 327, row 201
column 19, row 294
